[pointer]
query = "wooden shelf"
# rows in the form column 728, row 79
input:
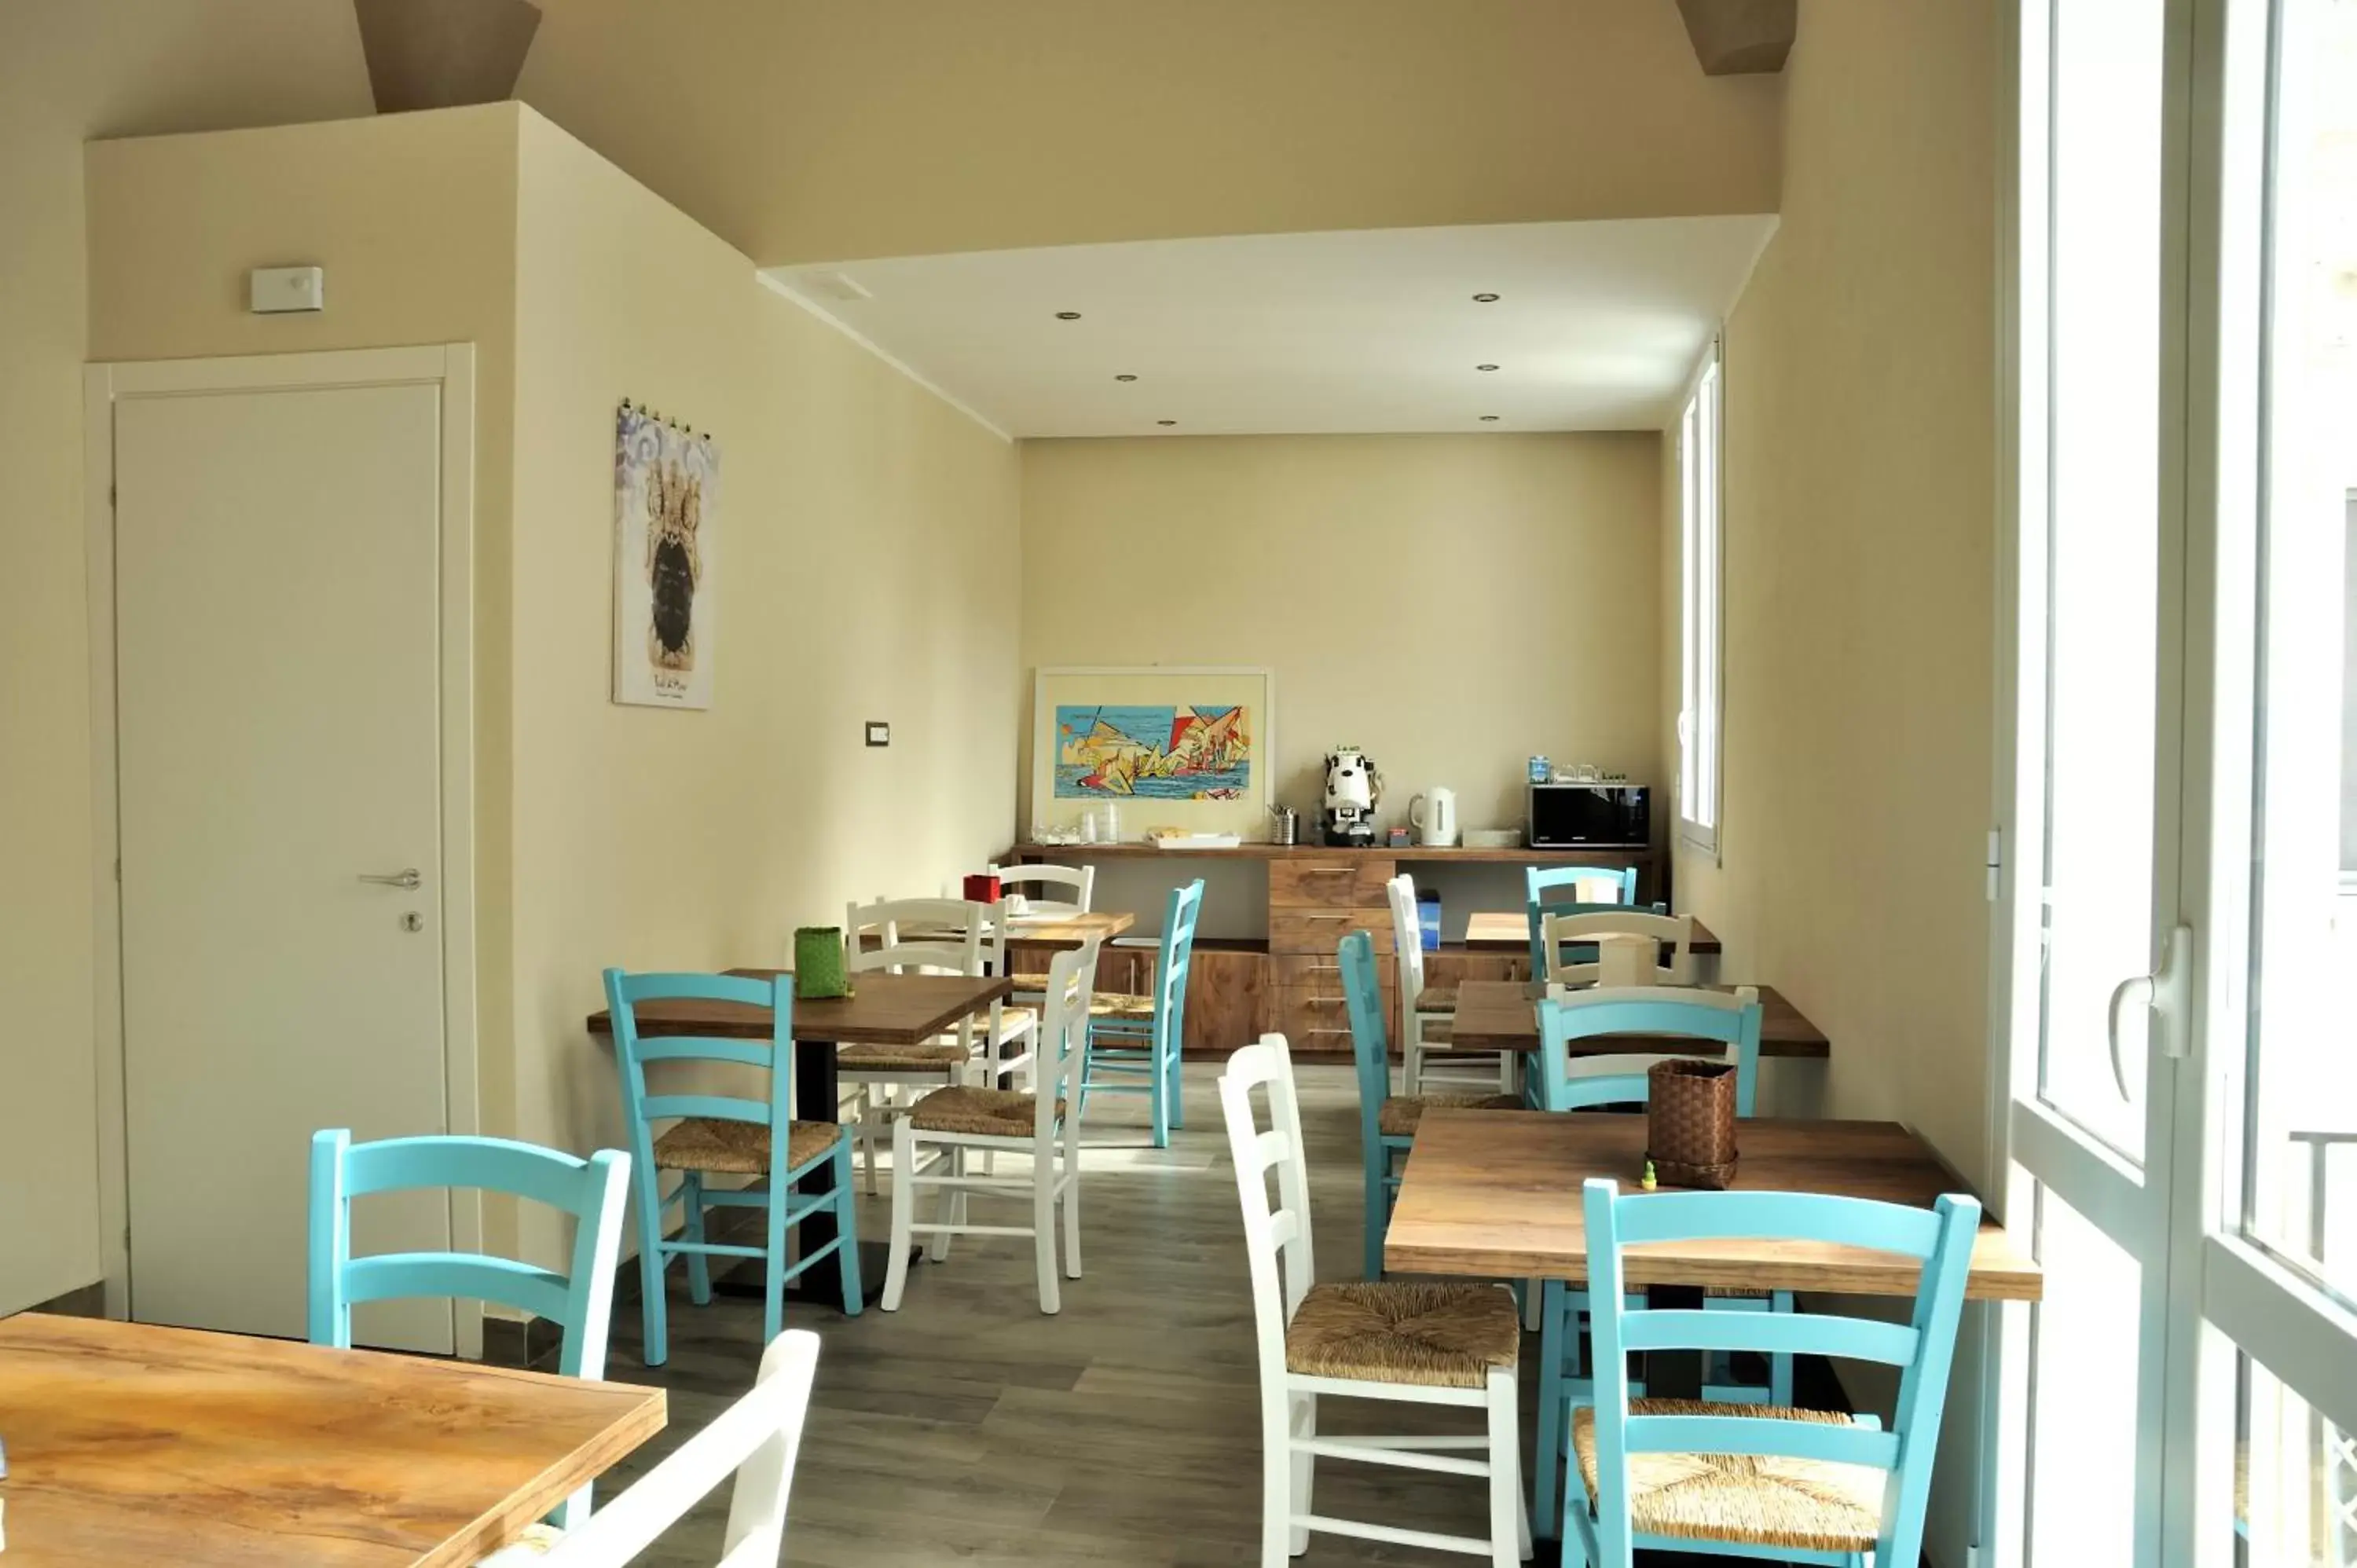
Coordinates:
column 1420, row 854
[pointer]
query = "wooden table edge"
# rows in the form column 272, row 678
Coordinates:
column 504, row 1524
column 600, row 1024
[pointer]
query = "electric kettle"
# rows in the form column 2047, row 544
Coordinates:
column 1433, row 816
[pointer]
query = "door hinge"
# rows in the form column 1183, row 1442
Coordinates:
column 118, row 870
column 1994, row 863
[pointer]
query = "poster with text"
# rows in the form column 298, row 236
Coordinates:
column 666, row 492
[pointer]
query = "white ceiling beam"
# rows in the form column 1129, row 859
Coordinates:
column 1741, row 37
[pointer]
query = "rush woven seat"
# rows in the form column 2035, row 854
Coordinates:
column 708, row 1144
column 1121, row 1005
column 985, row 1112
column 1806, row 1504
column 1399, row 1115
column 1443, row 1337
column 1436, row 999
column 902, row 1058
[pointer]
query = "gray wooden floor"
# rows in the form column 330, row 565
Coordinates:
column 968, row 1429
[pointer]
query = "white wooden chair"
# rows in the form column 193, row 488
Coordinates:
column 1672, row 936
column 1426, row 1014
column 924, row 936
column 932, row 1142
column 755, row 1440
column 1080, row 881
column 1453, row 1345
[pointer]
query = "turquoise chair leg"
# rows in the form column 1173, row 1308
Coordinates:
column 1158, row 1087
column 699, row 1267
column 1554, row 1317
column 656, row 1349
column 1178, row 1089
column 847, row 1226
column 773, row 1298
column 1378, row 1207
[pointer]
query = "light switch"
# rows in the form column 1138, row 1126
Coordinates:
column 878, row 733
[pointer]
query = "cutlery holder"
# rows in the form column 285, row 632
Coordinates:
column 1690, row 1123
column 820, row 970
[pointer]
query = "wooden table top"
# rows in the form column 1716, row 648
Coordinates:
column 133, row 1443
column 1509, row 930
column 1496, row 1193
column 1503, row 1015
column 883, row 1010
column 1038, row 932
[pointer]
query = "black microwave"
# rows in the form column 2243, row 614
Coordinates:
column 1579, row 816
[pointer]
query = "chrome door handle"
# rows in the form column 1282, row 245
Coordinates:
column 409, row 878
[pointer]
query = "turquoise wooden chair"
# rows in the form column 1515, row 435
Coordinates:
column 1806, row 1510
column 1566, row 1083
column 1539, row 880
column 1387, row 1121
column 580, row 1303
column 1135, row 1040
column 726, row 1135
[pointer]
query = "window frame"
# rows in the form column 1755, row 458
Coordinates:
column 1701, row 603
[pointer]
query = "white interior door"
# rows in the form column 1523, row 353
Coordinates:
column 277, row 594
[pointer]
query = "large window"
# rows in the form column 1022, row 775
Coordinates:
column 1698, row 618
column 2182, row 1129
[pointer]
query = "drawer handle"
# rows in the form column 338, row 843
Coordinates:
column 1325, row 1031
column 1322, row 968
column 1329, row 870
column 1328, row 919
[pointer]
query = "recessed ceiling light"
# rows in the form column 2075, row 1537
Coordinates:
column 1488, row 419
column 1124, row 377
column 1485, row 367
column 1485, row 299
column 1067, row 315
column 1166, row 422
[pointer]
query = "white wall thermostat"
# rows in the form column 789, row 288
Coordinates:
column 280, row 289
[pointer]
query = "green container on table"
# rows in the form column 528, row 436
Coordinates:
column 820, row 970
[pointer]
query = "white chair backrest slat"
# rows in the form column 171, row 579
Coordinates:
column 1407, row 938
column 1672, row 934
column 1062, row 1052
column 755, row 1440
column 1081, row 881
column 1276, row 1238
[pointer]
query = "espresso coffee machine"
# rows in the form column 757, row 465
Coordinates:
column 1354, row 789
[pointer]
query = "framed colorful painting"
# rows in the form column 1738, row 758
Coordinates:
column 1173, row 746
column 666, row 503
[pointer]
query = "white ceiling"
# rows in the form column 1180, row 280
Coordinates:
column 1597, row 326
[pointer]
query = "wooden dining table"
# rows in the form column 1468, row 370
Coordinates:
column 1503, row 1015
column 883, row 1009
column 1509, row 930
column 1496, row 1195
column 133, row 1443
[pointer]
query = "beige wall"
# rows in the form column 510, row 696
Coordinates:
column 865, row 564
column 1860, row 540
column 865, row 558
column 1451, row 603
column 810, row 130
column 96, row 68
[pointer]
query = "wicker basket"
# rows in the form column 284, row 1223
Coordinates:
column 820, row 970
column 1690, row 1123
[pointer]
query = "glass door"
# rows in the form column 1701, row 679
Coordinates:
column 2181, row 1122
column 2098, row 738
column 2268, row 1233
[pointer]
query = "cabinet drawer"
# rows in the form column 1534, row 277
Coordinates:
column 1321, row 931
column 1321, row 974
column 1311, row 1023
column 1346, row 882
